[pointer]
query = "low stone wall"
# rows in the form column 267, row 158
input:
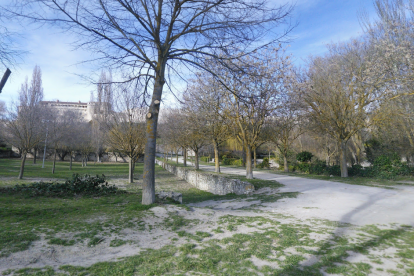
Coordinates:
column 214, row 184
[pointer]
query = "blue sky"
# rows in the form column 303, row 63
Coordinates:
column 320, row 22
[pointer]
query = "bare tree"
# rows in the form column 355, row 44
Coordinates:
column 205, row 98
column 60, row 129
column 254, row 96
column 103, row 105
column 345, row 88
column 152, row 38
column 193, row 127
column 126, row 126
column 84, row 144
column 36, row 88
column 172, row 131
column 24, row 122
column 286, row 125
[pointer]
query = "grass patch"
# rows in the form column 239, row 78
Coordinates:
column 283, row 246
column 10, row 168
column 64, row 242
column 23, row 219
column 353, row 180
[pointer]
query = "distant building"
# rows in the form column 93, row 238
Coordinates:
column 85, row 111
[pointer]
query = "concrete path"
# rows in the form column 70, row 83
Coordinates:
column 335, row 201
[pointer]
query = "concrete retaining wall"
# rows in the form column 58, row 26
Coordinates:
column 214, row 184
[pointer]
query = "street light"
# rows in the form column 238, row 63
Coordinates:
column 44, row 152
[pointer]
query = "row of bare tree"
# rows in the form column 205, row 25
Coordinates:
column 357, row 91
column 117, row 125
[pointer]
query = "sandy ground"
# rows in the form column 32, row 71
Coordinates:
column 358, row 205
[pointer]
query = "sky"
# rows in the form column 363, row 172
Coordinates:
column 319, row 22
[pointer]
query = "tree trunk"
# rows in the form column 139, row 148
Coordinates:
column 216, row 158
column 196, row 163
column 176, row 156
column 70, row 165
column 22, row 166
column 62, row 155
column 344, row 168
column 34, row 155
column 285, row 162
column 328, row 158
column 249, row 170
column 131, row 171
column 185, row 157
column 148, row 184
column 54, row 161
column 244, row 157
column 254, row 158
column 165, row 158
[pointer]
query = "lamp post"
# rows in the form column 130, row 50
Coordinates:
column 44, row 152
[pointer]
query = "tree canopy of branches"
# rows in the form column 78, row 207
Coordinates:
column 103, row 107
column 253, row 96
column 126, row 125
column 150, row 38
column 345, row 88
column 204, row 99
column 286, row 123
column 9, row 52
column 24, row 125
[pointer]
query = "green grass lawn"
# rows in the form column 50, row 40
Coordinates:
column 354, row 180
column 10, row 168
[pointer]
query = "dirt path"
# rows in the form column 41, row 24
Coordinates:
column 342, row 202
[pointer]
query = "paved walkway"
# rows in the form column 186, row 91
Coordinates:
column 354, row 204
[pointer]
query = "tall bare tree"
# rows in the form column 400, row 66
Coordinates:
column 24, row 124
column 345, row 88
column 126, row 125
column 103, row 105
column 193, row 126
column 205, row 98
column 254, row 95
column 286, row 125
column 152, row 38
column 36, row 88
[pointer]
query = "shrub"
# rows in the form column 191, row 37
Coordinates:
column 237, row 162
column 390, row 166
column 334, row 170
column 291, row 158
column 264, row 164
column 356, row 170
column 205, row 158
column 231, row 161
column 318, row 167
column 86, row 185
column 292, row 168
column 304, row 156
column 303, row 167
